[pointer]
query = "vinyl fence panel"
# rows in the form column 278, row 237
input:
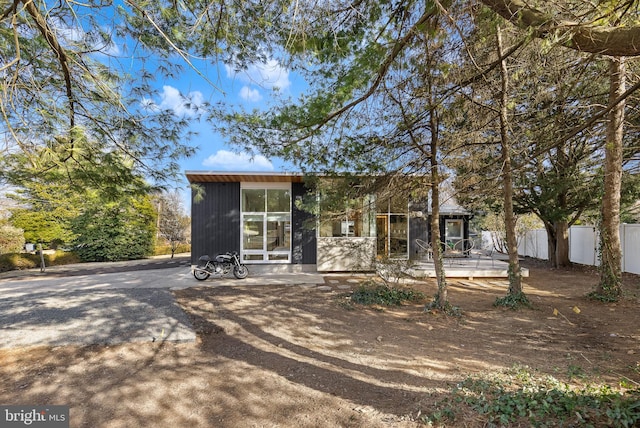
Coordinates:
column 583, row 244
column 630, row 236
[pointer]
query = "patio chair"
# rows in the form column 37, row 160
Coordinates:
column 487, row 253
column 425, row 247
column 461, row 248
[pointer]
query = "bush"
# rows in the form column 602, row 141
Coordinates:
column 21, row 261
column 16, row 261
column 11, row 239
column 372, row 293
column 161, row 250
column 61, row 258
column 123, row 230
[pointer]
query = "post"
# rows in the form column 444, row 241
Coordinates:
column 42, row 266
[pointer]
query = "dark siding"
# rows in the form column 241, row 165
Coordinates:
column 215, row 221
column 303, row 249
column 465, row 224
column 418, row 227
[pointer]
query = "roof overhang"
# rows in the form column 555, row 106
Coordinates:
column 243, row 177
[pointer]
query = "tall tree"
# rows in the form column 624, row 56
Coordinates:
column 608, row 28
column 555, row 177
column 112, row 230
column 610, row 285
column 66, row 97
column 173, row 222
column 515, row 273
column 382, row 121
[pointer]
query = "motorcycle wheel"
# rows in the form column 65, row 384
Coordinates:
column 240, row 272
column 200, row 275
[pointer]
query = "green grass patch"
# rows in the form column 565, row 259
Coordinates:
column 373, row 293
column 517, row 397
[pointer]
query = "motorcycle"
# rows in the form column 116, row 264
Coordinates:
column 221, row 265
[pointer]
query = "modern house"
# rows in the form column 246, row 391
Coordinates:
column 259, row 216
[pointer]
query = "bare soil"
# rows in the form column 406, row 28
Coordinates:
column 302, row 357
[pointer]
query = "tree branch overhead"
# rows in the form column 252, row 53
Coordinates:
column 598, row 39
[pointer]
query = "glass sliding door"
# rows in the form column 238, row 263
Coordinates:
column 266, row 223
column 398, row 238
column 392, row 221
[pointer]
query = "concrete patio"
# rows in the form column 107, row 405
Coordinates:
column 479, row 264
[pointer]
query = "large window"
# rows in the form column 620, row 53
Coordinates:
column 347, row 219
column 266, row 223
column 392, row 228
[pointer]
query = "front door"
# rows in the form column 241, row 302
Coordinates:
column 454, row 231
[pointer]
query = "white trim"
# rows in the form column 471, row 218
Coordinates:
column 446, row 229
column 264, row 252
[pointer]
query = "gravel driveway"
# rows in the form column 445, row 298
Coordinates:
column 109, row 303
column 80, row 307
column 87, row 317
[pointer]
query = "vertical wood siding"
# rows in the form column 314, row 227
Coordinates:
column 303, row 240
column 215, row 221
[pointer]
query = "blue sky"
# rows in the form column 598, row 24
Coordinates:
column 251, row 89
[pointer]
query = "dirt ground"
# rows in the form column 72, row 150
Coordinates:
column 301, row 357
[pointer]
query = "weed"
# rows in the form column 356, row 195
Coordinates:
column 603, row 297
column 447, row 308
column 513, row 301
column 576, row 372
column 519, row 397
column 372, row 293
column 391, row 271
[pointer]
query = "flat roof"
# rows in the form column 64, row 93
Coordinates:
column 247, row 176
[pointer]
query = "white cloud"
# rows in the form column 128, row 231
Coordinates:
column 171, row 99
column 75, row 34
column 269, row 75
column 248, row 94
column 229, row 161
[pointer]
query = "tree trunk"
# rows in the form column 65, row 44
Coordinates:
column 562, row 243
column 441, row 297
column 551, row 243
column 515, row 275
column 610, row 286
column 441, row 300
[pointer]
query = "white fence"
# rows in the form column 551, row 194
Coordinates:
column 583, row 246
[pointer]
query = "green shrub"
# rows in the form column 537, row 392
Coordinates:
column 166, row 249
column 60, row 258
column 113, row 231
column 372, row 293
column 21, row 261
column 16, row 261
